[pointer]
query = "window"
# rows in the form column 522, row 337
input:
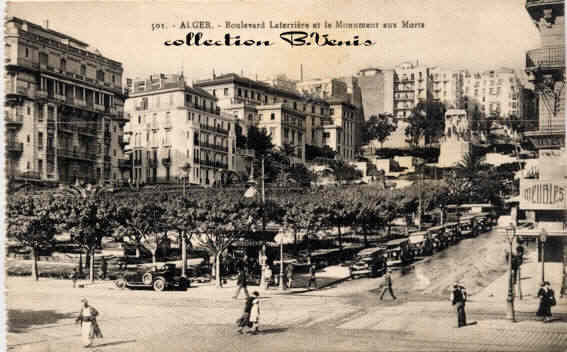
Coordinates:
column 225, row 92
column 83, row 70
column 40, row 140
column 28, row 110
column 63, row 65
column 43, row 59
column 114, row 152
column 27, row 52
column 272, row 116
column 239, row 92
column 332, row 111
column 100, row 75
column 214, row 92
column 245, row 93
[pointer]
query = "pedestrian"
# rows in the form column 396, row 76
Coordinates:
column 312, row 278
column 74, row 277
column 244, row 320
column 546, row 301
column 388, row 285
column 89, row 326
column 289, row 275
column 255, row 313
column 268, row 273
column 458, row 299
column 103, row 268
column 241, row 283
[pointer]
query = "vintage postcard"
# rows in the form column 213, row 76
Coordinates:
column 385, row 175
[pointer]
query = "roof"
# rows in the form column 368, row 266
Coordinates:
column 47, row 30
column 369, row 251
column 234, row 78
column 396, row 242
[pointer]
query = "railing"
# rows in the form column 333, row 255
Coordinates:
column 13, row 146
column 241, row 100
column 124, row 163
column 137, row 162
column 541, row 2
column 545, row 58
column 213, row 128
column 99, row 107
column 152, row 163
column 211, row 163
column 15, row 118
column 74, row 154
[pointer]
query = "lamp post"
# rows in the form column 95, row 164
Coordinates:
column 510, row 235
column 542, row 239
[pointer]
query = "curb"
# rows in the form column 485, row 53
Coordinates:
column 331, row 283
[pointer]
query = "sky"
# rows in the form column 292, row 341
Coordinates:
column 474, row 35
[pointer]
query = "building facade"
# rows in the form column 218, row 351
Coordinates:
column 252, row 103
column 377, row 91
column 341, row 134
column 543, row 193
column 495, row 93
column 64, row 108
column 411, row 85
column 177, row 132
column 447, row 87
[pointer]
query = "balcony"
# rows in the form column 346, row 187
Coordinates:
column 98, row 107
column 75, row 154
column 152, row 163
column 88, row 131
column 124, row 163
column 241, row 100
column 550, row 135
column 42, row 94
column 137, row 162
column 166, row 162
column 545, row 59
column 14, row 119
column 14, row 147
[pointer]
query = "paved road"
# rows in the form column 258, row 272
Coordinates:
column 347, row 317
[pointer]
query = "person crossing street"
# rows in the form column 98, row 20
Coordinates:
column 388, row 285
column 458, row 299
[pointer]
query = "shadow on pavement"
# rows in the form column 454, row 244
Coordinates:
column 21, row 320
column 114, row 343
column 272, row 331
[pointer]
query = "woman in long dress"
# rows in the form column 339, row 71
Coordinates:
column 89, row 326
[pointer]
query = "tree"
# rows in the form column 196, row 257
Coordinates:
column 341, row 211
column 344, row 172
column 90, row 217
column 222, row 220
column 32, row 222
column 313, row 152
column 378, row 127
column 181, row 216
column 259, row 140
column 140, row 221
column 427, row 120
column 304, row 216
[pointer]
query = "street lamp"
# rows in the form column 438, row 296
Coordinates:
column 510, row 235
column 542, row 239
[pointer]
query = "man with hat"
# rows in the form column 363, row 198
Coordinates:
column 458, row 299
column 89, row 327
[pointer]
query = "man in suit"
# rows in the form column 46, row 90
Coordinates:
column 241, row 283
column 388, row 285
column 458, row 299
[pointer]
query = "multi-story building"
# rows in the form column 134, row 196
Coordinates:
column 495, row 93
column 340, row 135
column 177, row 132
column 447, row 87
column 377, row 91
column 411, row 85
column 543, row 195
column 323, row 88
column 64, row 107
column 252, row 103
column 285, row 125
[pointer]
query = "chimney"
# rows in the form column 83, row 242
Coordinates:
column 301, row 72
column 46, row 24
column 214, row 75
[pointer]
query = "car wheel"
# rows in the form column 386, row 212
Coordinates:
column 159, row 285
column 120, row 283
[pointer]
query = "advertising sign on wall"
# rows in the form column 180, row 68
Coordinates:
column 543, row 195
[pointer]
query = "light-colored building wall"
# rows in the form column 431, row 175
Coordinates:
column 177, row 131
column 64, row 107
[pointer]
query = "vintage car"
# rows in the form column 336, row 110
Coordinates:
column 370, row 262
column 397, row 252
column 161, row 279
column 420, row 244
column 484, row 222
column 438, row 237
column 452, row 232
column 468, row 227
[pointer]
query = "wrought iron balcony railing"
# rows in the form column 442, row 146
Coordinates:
column 545, row 58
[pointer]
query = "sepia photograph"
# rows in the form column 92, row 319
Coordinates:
column 254, row 175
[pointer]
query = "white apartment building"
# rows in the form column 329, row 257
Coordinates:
column 177, row 131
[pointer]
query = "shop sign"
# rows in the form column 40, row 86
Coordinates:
column 544, row 195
